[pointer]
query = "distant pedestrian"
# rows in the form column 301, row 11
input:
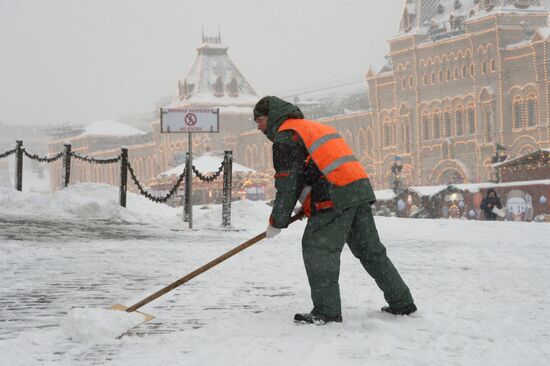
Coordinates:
column 489, row 203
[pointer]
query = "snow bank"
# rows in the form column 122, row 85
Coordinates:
column 89, row 201
column 84, row 201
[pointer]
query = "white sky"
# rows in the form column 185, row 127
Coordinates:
column 78, row 61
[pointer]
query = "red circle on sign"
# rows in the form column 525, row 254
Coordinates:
column 190, row 119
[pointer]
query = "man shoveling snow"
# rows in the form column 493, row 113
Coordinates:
column 313, row 160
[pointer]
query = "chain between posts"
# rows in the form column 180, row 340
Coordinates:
column 150, row 196
column 96, row 160
column 43, row 159
column 7, row 153
column 210, row 178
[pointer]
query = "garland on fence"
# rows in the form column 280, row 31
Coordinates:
column 151, row 197
column 96, row 160
column 210, row 178
column 7, row 153
column 43, row 159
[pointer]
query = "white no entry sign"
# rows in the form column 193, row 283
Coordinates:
column 189, row 120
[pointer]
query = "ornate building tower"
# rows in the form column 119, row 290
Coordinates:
column 462, row 77
column 213, row 81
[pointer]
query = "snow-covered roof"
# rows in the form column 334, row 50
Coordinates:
column 109, row 127
column 540, row 153
column 213, row 79
column 207, row 163
column 384, row 195
column 419, row 14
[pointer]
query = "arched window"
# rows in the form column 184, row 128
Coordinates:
column 472, row 70
column 484, row 67
column 425, row 79
column 436, row 125
column 433, row 77
column 463, row 71
column 448, row 126
column 518, row 113
column 370, row 142
column 403, row 83
column 531, row 112
column 447, row 75
column 387, row 133
column 349, row 139
column 218, row 87
column 493, row 65
column 488, row 120
column 471, row 120
column 425, row 127
column 455, row 73
column 233, row 88
column 362, row 143
column 440, row 76
column 406, row 134
column 459, row 122
column 411, row 82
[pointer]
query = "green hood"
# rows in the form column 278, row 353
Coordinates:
column 280, row 111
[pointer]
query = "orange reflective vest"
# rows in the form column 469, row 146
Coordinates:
column 328, row 150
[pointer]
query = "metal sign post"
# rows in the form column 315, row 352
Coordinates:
column 189, row 188
column 189, row 120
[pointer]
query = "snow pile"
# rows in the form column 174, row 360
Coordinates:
column 85, row 201
column 85, row 325
column 90, row 201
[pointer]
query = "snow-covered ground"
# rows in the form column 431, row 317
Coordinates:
column 482, row 288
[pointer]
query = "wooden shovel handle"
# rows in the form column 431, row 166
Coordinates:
column 204, row 268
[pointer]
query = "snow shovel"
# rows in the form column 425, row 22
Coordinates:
column 188, row 277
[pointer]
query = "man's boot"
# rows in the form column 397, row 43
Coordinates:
column 311, row 318
column 405, row 310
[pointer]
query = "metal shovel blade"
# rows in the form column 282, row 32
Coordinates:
column 146, row 317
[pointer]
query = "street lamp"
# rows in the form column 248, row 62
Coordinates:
column 498, row 158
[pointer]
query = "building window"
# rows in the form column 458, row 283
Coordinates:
column 403, row 83
column 531, row 113
column 425, row 79
column 493, row 65
column 407, row 137
column 411, row 82
column 484, row 67
column 425, row 128
column 458, row 121
column 472, row 70
column 518, row 114
column 440, row 76
column 455, row 74
column 463, row 71
column 447, row 75
column 436, row 126
column 488, row 117
column 448, row 127
column 433, row 77
column 387, row 132
column 471, row 121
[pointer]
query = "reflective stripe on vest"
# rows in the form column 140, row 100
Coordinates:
column 329, row 151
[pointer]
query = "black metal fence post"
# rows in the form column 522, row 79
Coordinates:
column 186, row 194
column 19, row 165
column 123, row 176
column 227, row 184
column 67, row 164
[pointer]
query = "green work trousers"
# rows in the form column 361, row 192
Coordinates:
column 322, row 244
